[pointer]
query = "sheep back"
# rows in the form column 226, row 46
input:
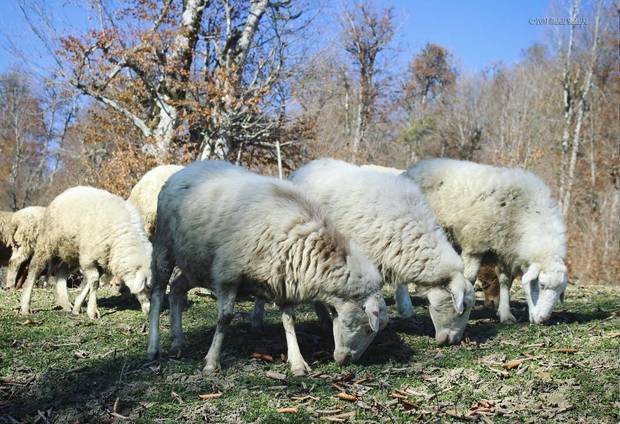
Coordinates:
column 387, row 215
column 144, row 194
column 223, row 222
column 484, row 208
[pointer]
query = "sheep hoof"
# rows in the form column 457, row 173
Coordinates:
column 175, row 352
column 300, row 371
column 211, row 369
column 93, row 314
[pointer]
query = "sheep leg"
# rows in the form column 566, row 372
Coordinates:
column 161, row 268
column 84, row 288
column 37, row 266
column 18, row 258
column 225, row 303
column 178, row 298
column 505, row 283
column 299, row 366
column 157, row 298
column 325, row 319
column 471, row 266
column 403, row 302
column 62, row 295
column 92, row 276
column 258, row 315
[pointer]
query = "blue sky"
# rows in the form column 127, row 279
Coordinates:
column 478, row 33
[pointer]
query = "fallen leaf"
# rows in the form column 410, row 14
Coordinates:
column 347, row 396
column 338, row 387
column 209, row 396
column 276, row 375
column 81, row 354
column 340, row 418
column 512, row 364
column 544, row 375
column 290, row 410
column 482, row 406
column 30, row 322
column 612, row 335
column 567, row 350
column 407, row 404
column 262, row 357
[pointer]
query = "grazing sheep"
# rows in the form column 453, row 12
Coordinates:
column 6, row 236
column 144, row 194
column 384, row 169
column 26, row 223
column 97, row 232
column 242, row 233
column 389, row 218
column 509, row 212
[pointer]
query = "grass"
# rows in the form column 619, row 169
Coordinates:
column 55, row 367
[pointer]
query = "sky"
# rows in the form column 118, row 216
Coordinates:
column 478, row 33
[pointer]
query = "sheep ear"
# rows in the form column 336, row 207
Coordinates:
column 457, row 288
column 371, row 306
column 531, row 274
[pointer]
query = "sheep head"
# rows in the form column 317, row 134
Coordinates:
column 544, row 286
column 450, row 306
column 356, row 324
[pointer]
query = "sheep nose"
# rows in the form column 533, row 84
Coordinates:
column 342, row 358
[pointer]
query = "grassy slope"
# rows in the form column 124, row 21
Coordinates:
column 71, row 369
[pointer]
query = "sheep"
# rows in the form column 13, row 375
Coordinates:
column 6, row 236
column 385, row 169
column 239, row 232
column 509, row 212
column 26, row 223
column 144, row 194
column 97, row 232
column 389, row 218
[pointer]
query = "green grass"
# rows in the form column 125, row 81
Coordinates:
column 62, row 368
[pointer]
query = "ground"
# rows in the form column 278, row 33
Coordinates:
column 55, row 367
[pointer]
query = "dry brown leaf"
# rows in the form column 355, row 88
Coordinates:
column 347, row 396
column 340, row 418
column 509, row 365
column 567, row 350
column 544, row 375
column 262, row 356
column 209, row 396
column 338, row 387
column 612, row 335
column 276, row 375
column 398, row 395
column 407, row 404
column 289, row 410
column 481, row 407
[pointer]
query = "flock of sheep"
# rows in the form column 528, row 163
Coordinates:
column 333, row 234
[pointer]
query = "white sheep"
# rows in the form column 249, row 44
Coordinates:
column 389, row 218
column 384, row 169
column 240, row 232
column 509, row 212
column 26, row 223
column 6, row 236
column 144, row 194
column 97, row 232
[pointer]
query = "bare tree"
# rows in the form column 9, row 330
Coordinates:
column 576, row 88
column 367, row 33
column 196, row 71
